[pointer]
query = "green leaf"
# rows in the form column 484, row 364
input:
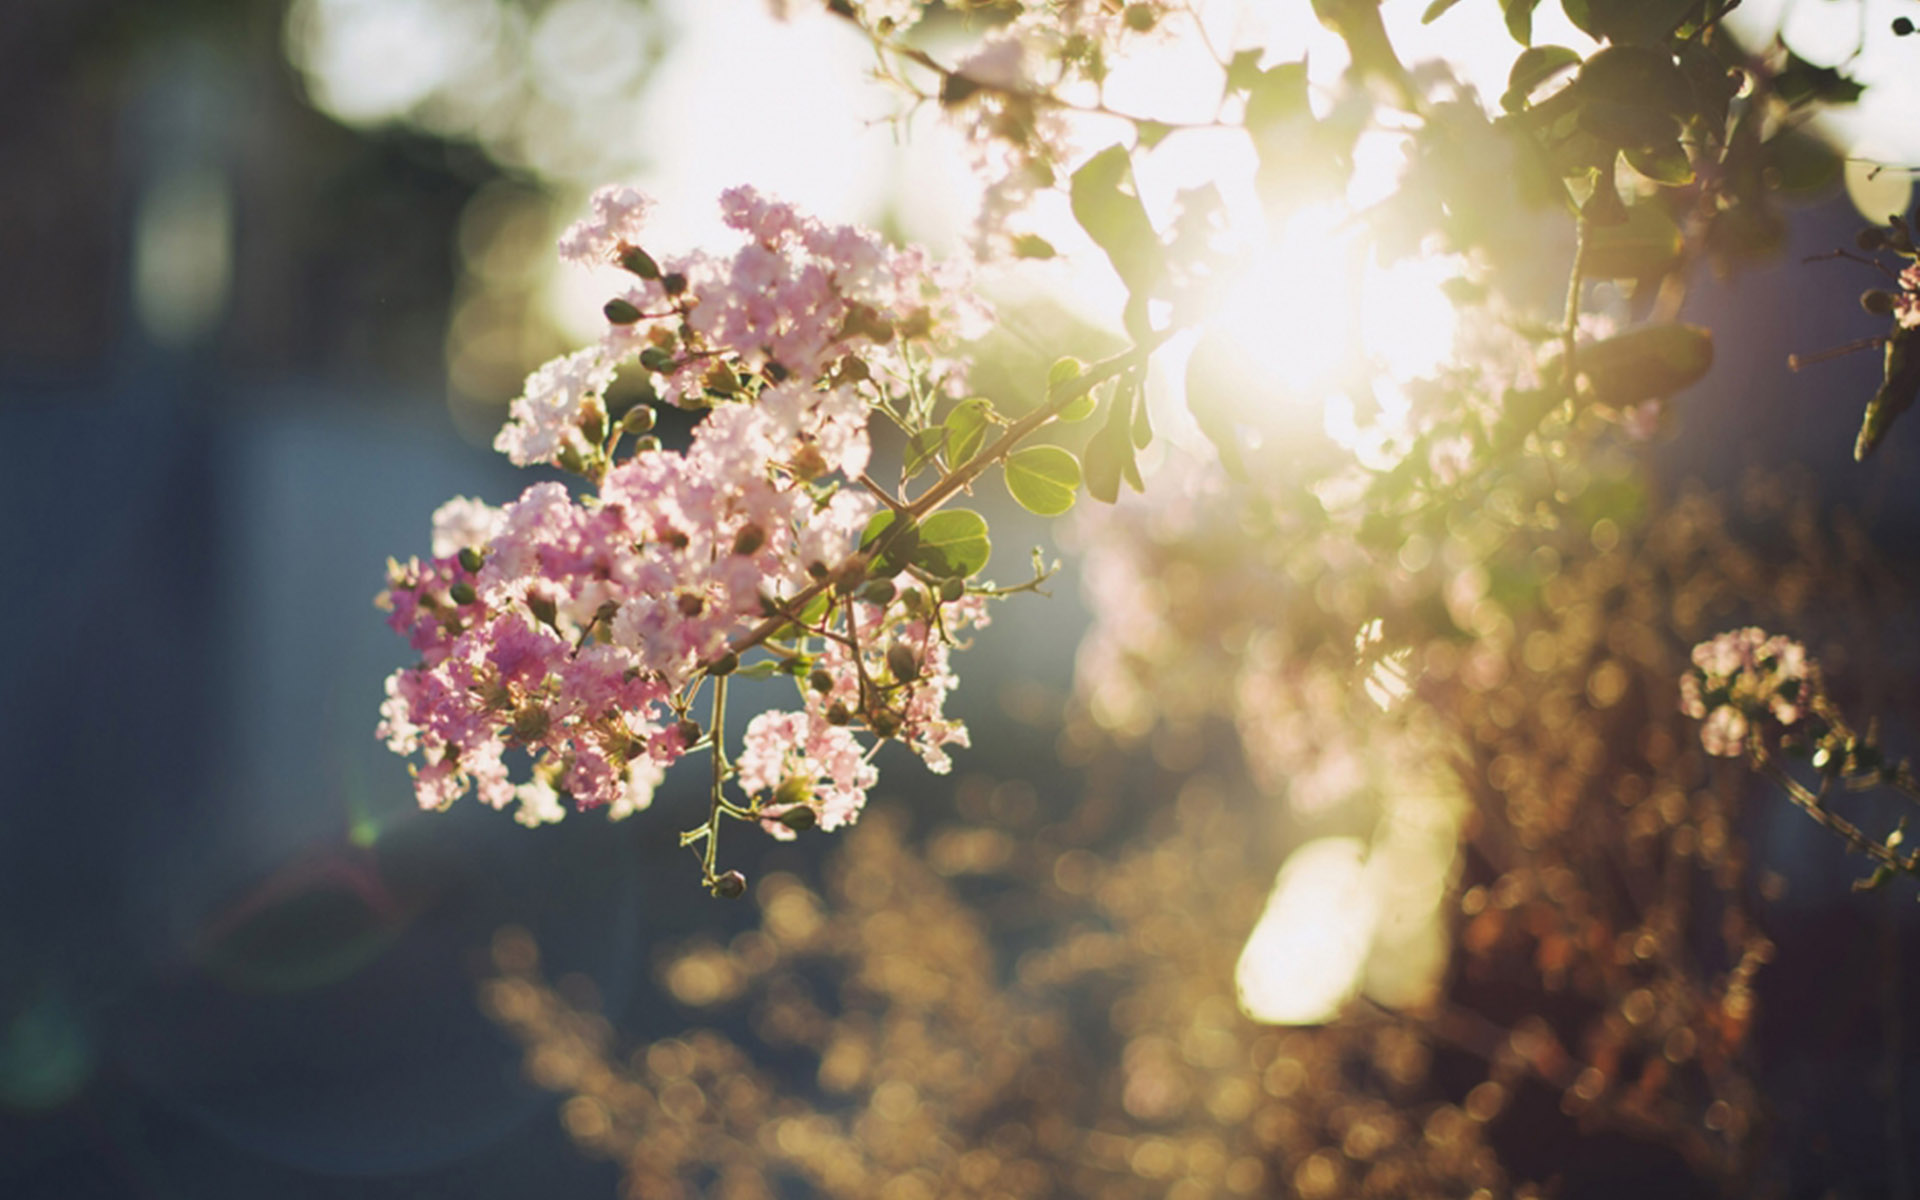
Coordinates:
column 1206, row 400
column 1103, row 461
column 1142, row 424
column 1900, row 383
column 1301, row 160
column 1622, row 21
column 1435, row 9
column 1108, row 207
column 1063, row 374
column 1801, row 83
column 1626, row 125
column 1243, row 71
column 967, row 427
column 953, row 544
column 1645, row 244
column 923, row 447
column 1604, row 209
column 1109, row 453
column 1535, row 66
column 1520, row 19
column 1639, row 77
column 901, row 546
column 1802, row 163
column 1151, row 133
column 1714, row 84
column 1665, row 162
column 1278, row 96
column 1043, row 479
column 815, row 609
column 1032, row 245
column 1648, row 363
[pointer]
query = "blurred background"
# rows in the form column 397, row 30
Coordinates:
column 269, row 272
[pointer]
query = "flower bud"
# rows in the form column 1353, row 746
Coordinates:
column 653, row 358
column 646, row 445
column 638, row 261
column 674, row 283
column 726, row 664
column 531, row 723
column 808, row 463
column 820, row 681
column 915, row 602
column 689, row 731
column 880, row 592
column 570, row 459
column 639, row 419
column 1871, row 238
column 901, row 662
column 1876, row 302
column 1139, row 17
column 620, row 312
column 838, row 714
column 730, row 885
column 883, row 723
column 543, row 607
column 952, row 589
column 462, row 593
column 472, row 559
column 690, row 604
column 799, row 818
column 749, row 540
column 852, row 572
column 593, row 419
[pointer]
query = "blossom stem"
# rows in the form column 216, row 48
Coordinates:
column 1814, row 805
column 719, row 753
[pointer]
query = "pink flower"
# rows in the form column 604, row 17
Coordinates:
column 618, row 215
column 1906, row 302
column 463, row 524
column 1741, row 676
column 798, row 758
column 1724, row 732
column 544, row 421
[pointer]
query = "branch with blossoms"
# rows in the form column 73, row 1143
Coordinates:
column 1760, row 697
column 581, row 631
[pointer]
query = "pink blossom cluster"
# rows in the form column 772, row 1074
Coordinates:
column 801, row 302
column 576, row 629
column 1741, row 676
column 892, row 673
column 1906, row 302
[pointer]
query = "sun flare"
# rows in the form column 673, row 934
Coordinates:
column 1310, row 305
